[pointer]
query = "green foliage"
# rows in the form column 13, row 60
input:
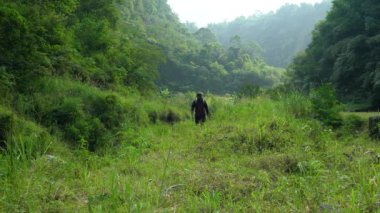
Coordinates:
column 254, row 155
column 326, row 106
column 344, row 49
column 6, row 125
column 6, row 86
column 85, row 40
column 22, row 139
column 249, row 90
column 280, row 34
column 353, row 124
column 298, row 105
column 212, row 68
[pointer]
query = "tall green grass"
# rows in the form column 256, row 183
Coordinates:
column 252, row 155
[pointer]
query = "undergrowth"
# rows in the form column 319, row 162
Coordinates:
column 252, row 155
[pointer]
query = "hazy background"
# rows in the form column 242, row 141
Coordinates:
column 203, row 12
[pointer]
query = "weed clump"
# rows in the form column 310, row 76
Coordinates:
column 274, row 136
column 21, row 138
column 281, row 162
column 352, row 124
column 298, row 105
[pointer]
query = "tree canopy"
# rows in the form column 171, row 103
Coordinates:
column 280, row 34
column 345, row 51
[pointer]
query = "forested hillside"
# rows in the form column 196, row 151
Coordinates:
column 345, row 52
column 212, row 68
column 94, row 113
column 281, row 35
column 77, row 66
column 116, row 43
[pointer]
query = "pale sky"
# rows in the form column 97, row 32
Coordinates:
column 203, row 12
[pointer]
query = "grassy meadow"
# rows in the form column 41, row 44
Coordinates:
column 266, row 154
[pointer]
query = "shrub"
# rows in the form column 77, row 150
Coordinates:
column 279, row 92
column 248, row 90
column 170, row 116
column 110, row 111
column 6, row 124
column 326, row 108
column 6, row 85
column 353, row 124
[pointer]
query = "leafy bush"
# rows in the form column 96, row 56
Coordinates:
column 248, row 90
column 353, row 124
column 326, row 107
column 279, row 92
column 6, row 124
column 84, row 115
column 6, row 85
column 89, row 122
column 110, row 111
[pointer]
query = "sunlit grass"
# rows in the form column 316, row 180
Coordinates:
column 252, row 155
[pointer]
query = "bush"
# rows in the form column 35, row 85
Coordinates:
column 279, row 92
column 353, row 124
column 170, row 116
column 248, row 90
column 6, row 124
column 6, row 85
column 326, row 108
column 88, row 122
column 110, row 111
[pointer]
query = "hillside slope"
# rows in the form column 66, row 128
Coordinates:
column 281, row 35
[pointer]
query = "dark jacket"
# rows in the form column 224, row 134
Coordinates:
column 200, row 108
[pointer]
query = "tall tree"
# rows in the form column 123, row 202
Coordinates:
column 345, row 51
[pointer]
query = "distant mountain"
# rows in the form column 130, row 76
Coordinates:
column 281, row 34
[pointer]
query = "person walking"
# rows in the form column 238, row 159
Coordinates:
column 199, row 109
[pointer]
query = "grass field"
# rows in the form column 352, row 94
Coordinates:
column 364, row 115
column 257, row 155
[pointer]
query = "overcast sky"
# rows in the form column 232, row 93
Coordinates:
column 203, row 12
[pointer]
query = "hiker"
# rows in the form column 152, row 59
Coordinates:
column 199, row 106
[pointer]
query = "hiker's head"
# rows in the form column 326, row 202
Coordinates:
column 199, row 95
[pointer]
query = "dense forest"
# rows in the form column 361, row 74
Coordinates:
column 345, row 52
column 95, row 99
column 279, row 35
column 120, row 43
